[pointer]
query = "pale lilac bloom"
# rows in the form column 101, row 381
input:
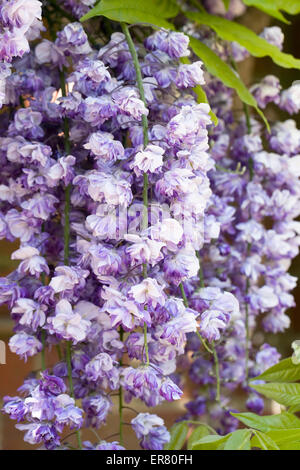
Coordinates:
column 73, row 40
column 20, row 226
column 290, row 98
column 151, row 430
column 67, row 278
column 20, row 13
column 40, row 206
column 31, row 313
column 68, row 324
column 24, row 345
column 149, row 160
column 169, row 232
column 103, row 146
column 5, row 72
column 13, row 44
column 61, row 170
column 274, row 36
column 263, row 298
column 169, row 390
column 148, row 291
column 129, row 103
column 188, row 123
column 31, row 261
column 102, row 367
column 40, row 432
column 172, row 43
column 190, row 75
column 66, row 413
column 144, row 250
column 267, row 91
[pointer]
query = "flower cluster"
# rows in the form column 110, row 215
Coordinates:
column 256, row 200
column 101, row 263
column 144, row 231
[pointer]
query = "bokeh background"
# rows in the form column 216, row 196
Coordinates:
column 12, row 374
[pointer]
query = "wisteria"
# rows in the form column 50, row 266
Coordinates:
column 153, row 243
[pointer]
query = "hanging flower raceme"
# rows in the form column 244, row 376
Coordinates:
column 151, row 243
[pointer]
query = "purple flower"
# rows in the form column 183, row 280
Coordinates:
column 129, row 103
column 25, row 345
column 37, row 433
column 149, row 160
column 274, row 36
column 96, row 408
column 290, row 99
column 267, row 91
column 20, row 13
column 151, row 430
column 102, row 146
column 102, row 367
column 148, row 292
column 66, row 413
column 31, row 313
column 51, row 385
column 169, row 390
column 69, row 325
column 173, row 44
column 14, row 407
column 190, row 75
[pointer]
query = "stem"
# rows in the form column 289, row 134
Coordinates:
column 186, row 304
column 216, row 359
column 139, row 80
column 248, row 122
column 140, row 86
column 204, row 343
column 69, row 364
column 200, row 272
column 59, row 352
column 245, row 106
column 43, row 332
column 146, row 345
column 68, row 188
column 185, row 300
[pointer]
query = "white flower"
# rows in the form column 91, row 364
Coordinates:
column 148, row 160
column 148, row 290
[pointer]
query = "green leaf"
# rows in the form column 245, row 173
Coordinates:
column 136, row 11
column 210, row 443
column 290, row 446
column 273, row 7
column 197, row 434
column 284, row 436
column 178, row 436
column 218, row 68
column 267, row 423
column 285, row 394
column 294, row 409
column 226, row 4
column 263, row 441
column 257, row 46
column 284, row 371
column 239, row 440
